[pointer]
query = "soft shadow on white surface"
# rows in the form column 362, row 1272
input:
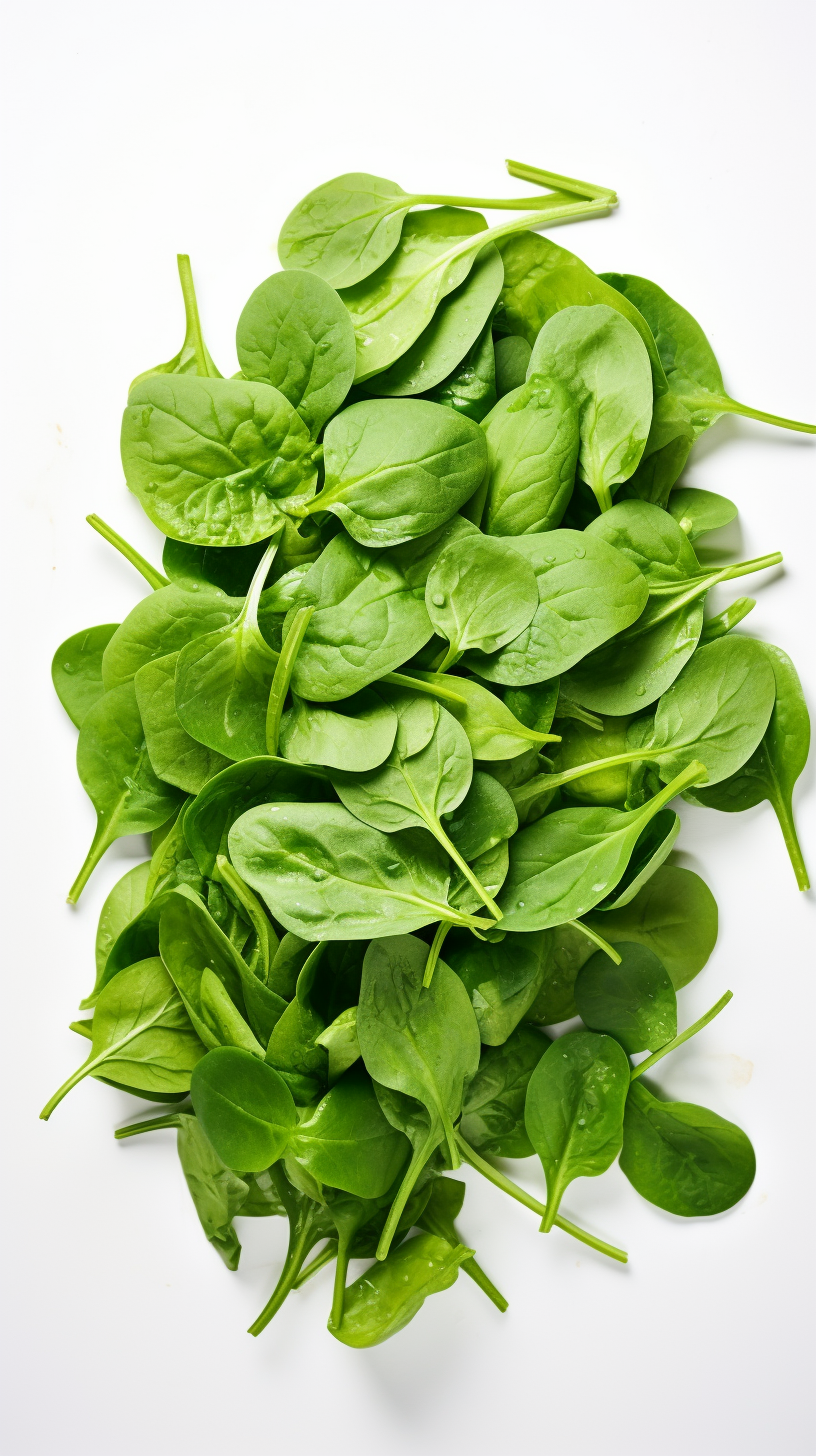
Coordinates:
column 135, row 134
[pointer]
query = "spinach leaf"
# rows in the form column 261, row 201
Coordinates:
column 223, row 680
column 176, row 756
column 570, row 950
column 455, row 327
column 674, row 915
column 532, row 442
column 493, row 1108
column 116, row 774
column 495, row 732
column 398, row 468
column 125, row 901
column 634, row 1002
column 484, row 818
column 245, row 1108
column 193, row 356
column 512, row 354
column 437, row 1217
column 76, row 670
column 356, row 736
column 225, row 569
column 692, row 371
column 420, row 1041
column 726, row 620
column 698, row 511
column 574, row 1111
column 479, row 595
column 387, row 1296
column 565, row 864
column 502, row 981
column 225, row 798
column 587, row 591
column 682, row 1157
column 470, row 388
column 141, row 1035
column 216, row 461
column 582, row 744
column 347, row 1142
column 341, row 1042
column 161, row 624
column 296, row 334
column 772, row 769
column 323, row 874
column 601, row 359
column 293, row 1048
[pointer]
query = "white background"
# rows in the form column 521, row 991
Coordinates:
column 137, row 131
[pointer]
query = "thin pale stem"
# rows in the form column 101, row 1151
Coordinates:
column 788, row 827
column 102, row 841
column 283, row 677
column 417, row 685
column 462, row 864
column 295, row 1255
column 539, row 203
column 684, row 1036
column 521, row 1196
column 418, row 1160
column 726, row 620
column 724, row 404
column 152, row 1124
column 448, row 659
column 477, row 1274
column 192, row 320
column 433, row 954
column 526, row 173
column 596, row 939
column 153, row 577
column 327, row 1253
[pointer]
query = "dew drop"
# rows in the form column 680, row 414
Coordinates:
column 68, row 667
column 438, row 599
column 640, row 692
column 580, row 551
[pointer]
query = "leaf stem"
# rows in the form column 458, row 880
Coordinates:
column 283, row 677
column 791, row 838
column 193, row 332
column 295, row 1256
column 419, row 1158
column 416, row 684
column 462, row 864
column 526, row 173
column 596, row 939
column 171, row 1119
column 507, row 1186
column 153, row 577
column 726, row 620
column 433, row 954
column 677, row 1041
column 102, row 841
column 327, row 1253
column 724, row 404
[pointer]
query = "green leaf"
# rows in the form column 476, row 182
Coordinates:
column 193, row 356
column 399, row 468
column 494, row 732
column 502, row 980
column 684, row 1158
column 480, row 595
column 387, row 1296
column 76, row 670
column 226, row 797
column 634, row 1002
column 347, row 1142
column 216, row 461
column 470, row 389
column 698, row 511
column 142, row 1036
column 160, row 624
column 341, row 1042
column 484, row 818
column 356, row 736
column 532, row 442
column 574, row 1111
column 512, row 354
column 217, row 1192
column 125, row 901
column 493, row 1108
column 245, row 1108
column 175, row 755
column 674, row 915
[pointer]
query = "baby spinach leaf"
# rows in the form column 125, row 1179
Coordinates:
column 161, row 624
column 582, row 744
column 698, row 511
column 574, row 1111
column 385, row 1299
column 225, row 569
column 142, row 1035
column 437, row 1217
column 493, row 1108
column 485, row 817
column 455, row 327
column 293, row 1048
column 341, row 1042
column 296, row 334
column 674, row 914
column 116, row 774
column 245, row 1108
column 625, row 675
column 479, row 595
column 251, row 909
column 691, row 369
column 125, row 901
column 502, row 981
column 532, row 443
column 356, row 736
column 398, row 468
column 193, row 356
column 217, row 1192
column 565, row 864
column 601, row 359
column 76, row 670
column 216, row 461
column 420, row 1041
column 684, row 1158
column 494, row 733
column 221, row 1018
column 470, row 388
column 634, row 1002
column 347, row 1142
column 570, row 950
column 175, row 755
column 226, row 797
column 298, row 858
column 512, row 354
column 772, row 769
column 223, row 680
column 653, row 846
column 587, row 593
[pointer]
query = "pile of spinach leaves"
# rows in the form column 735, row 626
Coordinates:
column 407, row 713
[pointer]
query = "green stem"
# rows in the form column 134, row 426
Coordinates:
column 433, row 954
column 103, row 839
column 602, row 494
column 339, row 1291
column 726, row 620
column 153, row 577
column 450, row 847
column 677, row 1041
column 419, row 1158
column 554, row 179
column 724, row 404
column 171, row 1119
column 746, row 568
column 417, row 685
column 596, row 939
column 695, row 587
column 295, row 1256
column 193, row 332
column 283, row 676
column 267, row 939
column 449, row 658
column 566, row 708
column 787, row 824
column 319, row 1262
column 507, row 1186
column 477, row 1274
